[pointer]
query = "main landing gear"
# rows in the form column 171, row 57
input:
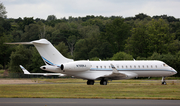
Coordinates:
column 163, row 81
column 102, row 82
column 90, row 82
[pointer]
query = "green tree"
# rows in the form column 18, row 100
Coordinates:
column 2, row 11
column 89, row 31
column 148, row 38
column 5, row 49
column 116, row 33
column 51, row 17
column 22, row 56
column 36, row 61
column 81, row 50
column 174, row 47
column 5, row 27
column 71, row 42
column 26, row 21
column 175, row 29
column 62, row 31
column 141, row 16
column 159, row 35
column 94, row 53
column 95, row 22
column 42, row 29
column 155, row 56
column 94, row 59
column 63, row 49
column 31, row 33
column 105, row 50
column 122, row 56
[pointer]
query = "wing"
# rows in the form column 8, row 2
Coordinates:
column 116, row 75
column 45, row 74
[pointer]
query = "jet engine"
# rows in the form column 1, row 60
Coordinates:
column 76, row 66
column 50, row 68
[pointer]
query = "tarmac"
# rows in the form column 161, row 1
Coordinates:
column 85, row 102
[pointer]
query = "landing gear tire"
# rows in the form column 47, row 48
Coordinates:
column 90, row 82
column 103, row 82
column 163, row 81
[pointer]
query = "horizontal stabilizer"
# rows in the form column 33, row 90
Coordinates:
column 25, row 43
column 24, row 70
column 45, row 74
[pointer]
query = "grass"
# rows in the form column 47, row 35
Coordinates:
column 77, row 88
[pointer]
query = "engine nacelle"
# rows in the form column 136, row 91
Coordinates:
column 50, row 68
column 76, row 66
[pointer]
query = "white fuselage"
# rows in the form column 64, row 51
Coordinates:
column 97, row 69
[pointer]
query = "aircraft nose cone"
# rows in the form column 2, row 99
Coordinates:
column 174, row 71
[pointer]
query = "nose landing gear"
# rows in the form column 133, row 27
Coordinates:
column 163, row 81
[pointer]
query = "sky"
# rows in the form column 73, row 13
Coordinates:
column 81, row 8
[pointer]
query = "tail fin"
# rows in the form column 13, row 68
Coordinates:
column 49, row 53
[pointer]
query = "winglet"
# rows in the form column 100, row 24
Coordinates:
column 24, row 70
column 114, row 69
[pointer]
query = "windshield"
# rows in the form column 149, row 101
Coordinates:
column 165, row 65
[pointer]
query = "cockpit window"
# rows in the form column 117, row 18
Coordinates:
column 165, row 65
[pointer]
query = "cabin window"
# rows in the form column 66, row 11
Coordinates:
column 104, row 66
column 151, row 66
column 126, row 66
column 101, row 66
column 122, row 66
column 109, row 66
column 143, row 66
column 134, row 66
column 156, row 66
column 139, row 66
column 130, row 66
column 117, row 66
column 165, row 65
column 96, row 66
column 147, row 66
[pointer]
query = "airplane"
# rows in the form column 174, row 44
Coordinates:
column 96, row 70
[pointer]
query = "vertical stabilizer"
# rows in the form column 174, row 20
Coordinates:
column 49, row 53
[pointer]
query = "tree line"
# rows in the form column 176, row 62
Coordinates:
column 141, row 37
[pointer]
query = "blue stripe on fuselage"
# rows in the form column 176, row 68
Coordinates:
column 103, row 69
column 50, row 63
column 47, row 61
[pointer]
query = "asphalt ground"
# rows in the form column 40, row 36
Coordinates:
column 85, row 102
